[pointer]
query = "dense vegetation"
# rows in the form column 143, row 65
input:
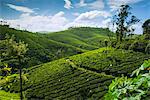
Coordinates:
column 65, row 65
column 40, row 49
column 83, row 37
column 135, row 88
column 83, row 76
column 76, row 77
column 8, row 96
column 48, row 47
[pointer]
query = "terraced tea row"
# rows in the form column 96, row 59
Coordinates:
column 70, row 77
column 109, row 60
column 70, row 85
column 65, row 78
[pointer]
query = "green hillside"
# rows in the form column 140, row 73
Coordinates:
column 41, row 49
column 82, row 37
column 47, row 47
column 87, row 74
column 74, row 50
column 80, row 73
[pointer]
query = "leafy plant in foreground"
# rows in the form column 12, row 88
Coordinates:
column 12, row 50
column 135, row 88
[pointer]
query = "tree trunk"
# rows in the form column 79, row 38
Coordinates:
column 20, row 74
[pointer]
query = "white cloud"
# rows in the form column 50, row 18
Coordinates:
column 115, row 4
column 57, row 22
column 76, row 14
column 68, row 4
column 98, row 4
column 81, row 3
column 21, row 8
column 81, row 24
column 93, row 18
column 38, row 23
column 106, row 22
column 90, row 23
column 138, row 28
column 92, row 14
column 59, row 19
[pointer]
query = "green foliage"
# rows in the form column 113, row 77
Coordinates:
column 79, row 76
column 138, row 44
column 146, row 29
column 62, row 81
column 83, row 76
column 83, row 37
column 5, row 70
column 10, row 52
column 51, row 46
column 6, row 81
column 124, row 25
column 110, row 61
column 8, row 96
column 41, row 49
column 135, row 88
column 13, row 50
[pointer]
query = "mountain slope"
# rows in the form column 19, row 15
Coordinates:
column 47, row 47
column 82, row 37
column 41, row 49
column 87, row 74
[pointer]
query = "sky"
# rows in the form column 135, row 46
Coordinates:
column 57, row 15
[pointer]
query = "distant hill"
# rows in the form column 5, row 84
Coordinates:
column 52, row 46
column 80, row 73
column 83, row 37
column 86, row 75
column 41, row 49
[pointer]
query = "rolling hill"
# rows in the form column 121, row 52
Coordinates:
column 83, row 37
column 83, row 76
column 47, row 47
column 81, row 73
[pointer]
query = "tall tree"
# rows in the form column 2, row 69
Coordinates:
column 123, row 23
column 146, row 29
column 12, row 50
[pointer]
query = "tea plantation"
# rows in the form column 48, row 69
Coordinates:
column 51, row 46
column 86, row 75
column 68, row 65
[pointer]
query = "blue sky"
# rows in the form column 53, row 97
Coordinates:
column 56, row 15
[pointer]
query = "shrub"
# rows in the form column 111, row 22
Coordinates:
column 135, row 88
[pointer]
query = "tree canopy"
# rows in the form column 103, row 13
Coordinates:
column 146, row 28
column 124, row 22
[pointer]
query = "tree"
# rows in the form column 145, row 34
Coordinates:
column 146, row 28
column 11, row 51
column 123, row 23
